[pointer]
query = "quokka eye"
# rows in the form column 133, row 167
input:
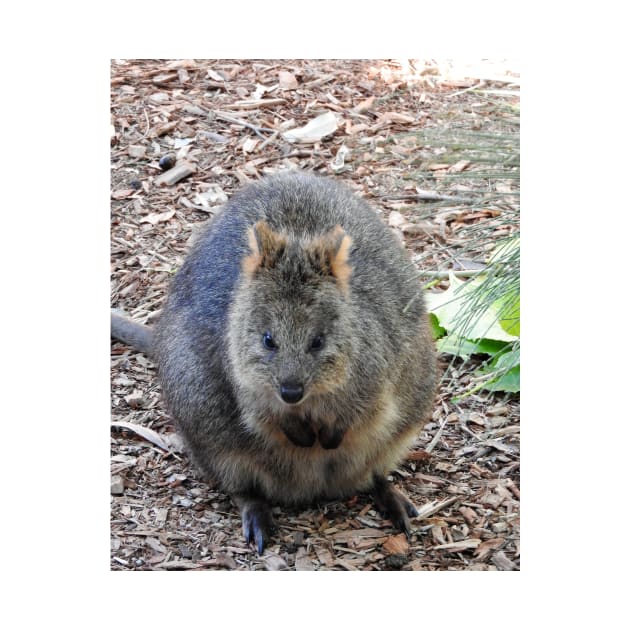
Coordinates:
column 317, row 343
column 268, row 341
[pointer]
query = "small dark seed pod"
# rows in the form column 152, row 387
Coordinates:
column 167, row 161
column 136, row 184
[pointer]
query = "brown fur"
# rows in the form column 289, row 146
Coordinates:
column 254, row 259
column 341, row 269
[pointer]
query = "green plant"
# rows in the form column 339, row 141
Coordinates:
column 481, row 316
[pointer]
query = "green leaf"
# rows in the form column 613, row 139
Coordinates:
column 468, row 319
column 506, row 360
column 509, row 308
column 449, row 305
column 490, row 346
column 504, row 372
column 460, row 347
column 509, row 381
column 436, row 329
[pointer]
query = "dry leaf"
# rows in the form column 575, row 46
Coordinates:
column 190, row 64
column 273, row 562
column 502, row 562
column 396, row 219
column 303, row 561
column 174, row 442
column 158, row 217
column 118, row 485
column 154, row 544
column 213, row 196
column 136, row 151
column 338, row 163
column 324, row 556
column 352, row 129
column 121, row 194
column 215, row 76
column 458, row 167
column 159, row 97
column 250, row 144
column 135, row 400
column 500, row 446
column 165, row 128
column 314, row 131
column 194, row 110
column 259, row 92
column 364, row 105
column 477, row 418
column 256, row 103
column 148, row 434
column 497, row 410
column 287, row 80
column 162, row 79
column 396, row 117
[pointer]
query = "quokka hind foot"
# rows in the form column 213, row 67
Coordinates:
column 394, row 505
column 258, row 523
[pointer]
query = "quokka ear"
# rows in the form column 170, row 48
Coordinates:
column 331, row 253
column 265, row 247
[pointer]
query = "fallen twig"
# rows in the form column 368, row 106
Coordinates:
column 432, row 507
column 272, row 158
column 271, row 138
column 256, row 103
column 468, row 89
column 177, row 173
column 427, row 195
column 437, row 436
column 238, row 121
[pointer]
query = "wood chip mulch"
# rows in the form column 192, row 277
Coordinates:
column 222, row 124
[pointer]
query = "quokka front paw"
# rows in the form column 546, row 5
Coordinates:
column 330, row 438
column 299, row 431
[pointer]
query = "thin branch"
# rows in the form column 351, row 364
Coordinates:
column 437, row 436
column 271, row 138
column 427, row 195
column 468, row 89
column 432, row 507
column 238, row 121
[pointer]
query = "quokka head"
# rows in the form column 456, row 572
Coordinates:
column 289, row 323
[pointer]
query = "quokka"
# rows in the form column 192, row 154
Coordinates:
column 294, row 350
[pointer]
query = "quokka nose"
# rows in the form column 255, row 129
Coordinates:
column 291, row 392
